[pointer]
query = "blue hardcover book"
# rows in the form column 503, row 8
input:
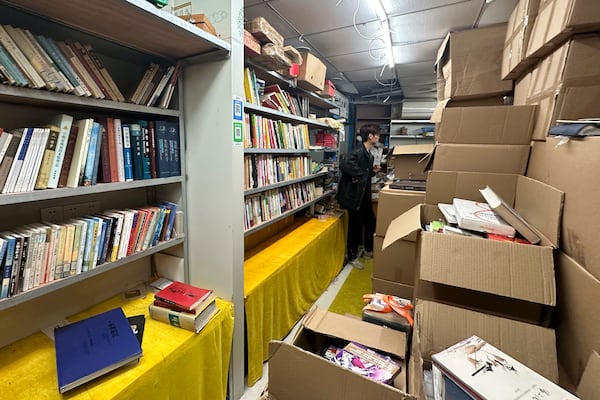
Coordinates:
column 6, row 263
column 101, row 134
column 127, row 156
column 171, row 220
column 159, row 224
column 145, row 150
column 102, row 226
column 174, row 160
column 93, row 150
column 92, row 347
column 11, row 67
column 137, row 149
column 162, row 149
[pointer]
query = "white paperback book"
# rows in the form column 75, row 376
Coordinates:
column 478, row 216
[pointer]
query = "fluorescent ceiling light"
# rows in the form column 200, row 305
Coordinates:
column 385, row 30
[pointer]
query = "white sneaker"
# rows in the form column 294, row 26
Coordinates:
column 357, row 264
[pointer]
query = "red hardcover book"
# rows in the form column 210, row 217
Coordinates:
column 183, row 295
column 164, row 304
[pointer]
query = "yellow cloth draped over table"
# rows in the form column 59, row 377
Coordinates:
column 284, row 278
column 176, row 363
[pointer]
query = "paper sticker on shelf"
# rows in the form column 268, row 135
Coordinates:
column 238, row 109
column 238, row 134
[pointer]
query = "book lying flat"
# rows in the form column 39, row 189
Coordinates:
column 191, row 322
column 92, row 347
column 183, row 295
column 478, row 216
column 510, row 215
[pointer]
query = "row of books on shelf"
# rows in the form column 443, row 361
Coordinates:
column 493, row 219
column 266, row 133
column 72, row 153
column 183, row 305
column 68, row 66
column 273, row 96
column 36, row 254
column 273, row 203
column 264, row 169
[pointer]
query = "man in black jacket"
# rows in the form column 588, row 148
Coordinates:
column 354, row 194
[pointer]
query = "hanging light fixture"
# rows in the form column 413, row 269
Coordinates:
column 385, row 28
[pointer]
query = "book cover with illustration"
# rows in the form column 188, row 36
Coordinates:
column 478, row 216
column 474, row 369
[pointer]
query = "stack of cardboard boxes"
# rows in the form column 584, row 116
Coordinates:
column 504, row 292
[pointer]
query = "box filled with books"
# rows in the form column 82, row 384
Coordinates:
column 504, row 277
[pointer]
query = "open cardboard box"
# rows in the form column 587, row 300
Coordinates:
column 589, row 388
column 502, row 278
column 297, row 371
column 409, row 161
column 438, row 326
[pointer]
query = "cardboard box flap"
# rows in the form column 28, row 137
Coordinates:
column 517, row 271
column 443, row 51
column 443, row 186
column 541, row 205
column 439, row 326
column 370, row 335
column 403, row 226
column 589, row 387
column 412, row 149
column 296, row 374
column 436, row 116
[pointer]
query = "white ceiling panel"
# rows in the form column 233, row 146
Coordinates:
column 418, row 80
column 348, row 40
column 497, row 12
column 415, row 69
column 434, row 23
column 310, row 16
column 354, row 62
column 395, row 7
column 415, row 52
column 370, row 74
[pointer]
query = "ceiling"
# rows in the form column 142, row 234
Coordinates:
column 347, row 36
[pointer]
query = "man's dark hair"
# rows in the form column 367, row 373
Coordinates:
column 366, row 129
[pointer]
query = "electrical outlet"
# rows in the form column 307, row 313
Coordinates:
column 81, row 209
column 52, row 214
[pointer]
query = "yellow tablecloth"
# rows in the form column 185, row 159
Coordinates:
column 283, row 279
column 176, row 364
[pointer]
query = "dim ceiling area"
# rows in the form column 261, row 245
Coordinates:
column 377, row 51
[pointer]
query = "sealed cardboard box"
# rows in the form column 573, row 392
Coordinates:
column 438, row 326
column 496, row 158
column 264, row 32
column 475, row 367
column 573, row 168
column 485, row 125
column 298, row 371
column 273, row 57
column 504, row 278
column 312, row 73
column 328, row 90
column 557, row 20
column 468, row 64
column 565, row 84
column 520, row 24
column 393, row 288
column 409, row 161
column 396, row 263
column 251, row 45
column 392, row 203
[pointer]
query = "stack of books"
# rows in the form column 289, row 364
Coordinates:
column 184, row 306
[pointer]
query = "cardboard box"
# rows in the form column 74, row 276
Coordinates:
column 520, row 24
column 557, row 20
column 473, row 368
column 588, row 386
column 273, row 57
column 297, row 371
column 503, row 278
column 573, row 168
column 264, row 32
column 396, row 263
column 566, row 84
column 312, row 73
column 328, row 90
column 392, row 203
column 491, row 158
column 438, row 326
column 485, row 125
column 251, row 45
column 468, row 63
column 394, row 288
column 409, row 161
column 578, row 329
